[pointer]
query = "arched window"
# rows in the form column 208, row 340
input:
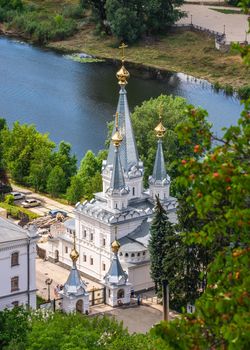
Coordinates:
column 120, row 294
column 126, row 255
column 15, row 259
column 133, row 191
column 132, row 255
column 138, row 254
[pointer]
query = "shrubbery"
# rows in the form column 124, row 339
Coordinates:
column 35, row 24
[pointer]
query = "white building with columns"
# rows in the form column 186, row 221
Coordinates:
column 123, row 206
column 17, row 265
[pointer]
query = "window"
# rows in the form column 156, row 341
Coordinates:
column 91, row 261
column 103, row 267
column 132, row 255
column 84, row 258
column 14, row 283
column 66, row 250
column 126, row 255
column 133, row 191
column 15, row 303
column 120, row 253
column 103, row 241
column 144, row 253
column 84, row 234
column 91, row 236
column 115, row 205
column 138, row 254
column 109, row 293
column 14, row 259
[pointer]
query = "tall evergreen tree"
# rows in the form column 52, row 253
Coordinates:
column 157, row 243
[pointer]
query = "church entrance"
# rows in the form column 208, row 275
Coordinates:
column 79, row 306
column 120, row 294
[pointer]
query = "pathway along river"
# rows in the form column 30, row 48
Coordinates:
column 73, row 101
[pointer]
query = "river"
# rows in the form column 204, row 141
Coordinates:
column 73, row 101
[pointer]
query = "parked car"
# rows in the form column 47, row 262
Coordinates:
column 30, row 202
column 53, row 213
column 17, row 195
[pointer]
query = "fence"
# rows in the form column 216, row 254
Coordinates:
column 220, row 38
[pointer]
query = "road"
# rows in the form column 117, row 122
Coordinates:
column 47, row 203
column 235, row 25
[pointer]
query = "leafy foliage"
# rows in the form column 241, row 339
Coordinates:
column 145, row 118
column 128, row 20
column 37, row 331
column 218, row 195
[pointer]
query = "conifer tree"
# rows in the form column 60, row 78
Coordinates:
column 157, row 243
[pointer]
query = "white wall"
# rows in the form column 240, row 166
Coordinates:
column 7, row 272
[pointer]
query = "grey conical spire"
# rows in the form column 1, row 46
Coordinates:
column 160, row 175
column 117, row 182
column 159, row 172
column 128, row 149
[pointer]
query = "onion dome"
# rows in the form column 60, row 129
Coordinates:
column 122, row 75
column 115, row 246
column 74, row 255
column 160, row 130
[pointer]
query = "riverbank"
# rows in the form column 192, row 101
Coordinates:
column 185, row 51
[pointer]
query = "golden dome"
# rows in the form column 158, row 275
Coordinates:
column 117, row 138
column 122, row 75
column 160, row 130
column 74, row 255
column 115, row 246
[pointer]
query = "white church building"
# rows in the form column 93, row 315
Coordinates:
column 122, row 211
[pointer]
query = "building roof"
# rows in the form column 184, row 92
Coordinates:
column 128, row 148
column 159, row 172
column 117, row 183
column 74, row 285
column 70, row 224
column 115, row 274
column 11, row 232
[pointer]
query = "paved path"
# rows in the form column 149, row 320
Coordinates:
column 46, row 269
column 47, row 203
column 236, row 25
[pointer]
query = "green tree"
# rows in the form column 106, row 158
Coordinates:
column 75, row 190
column 219, row 184
column 158, row 230
column 22, row 146
column 66, row 161
column 14, row 326
column 125, row 23
column 145, row 118
column 56, row 183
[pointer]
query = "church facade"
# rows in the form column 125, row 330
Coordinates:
column 123, row 210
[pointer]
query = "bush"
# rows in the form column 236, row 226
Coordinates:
column 244, row 92
column 73, row 11
column 9, row 199
column 16, row 212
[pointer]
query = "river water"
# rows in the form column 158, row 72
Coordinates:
column 73, row 101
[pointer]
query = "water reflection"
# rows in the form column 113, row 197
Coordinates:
column 73, row 101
